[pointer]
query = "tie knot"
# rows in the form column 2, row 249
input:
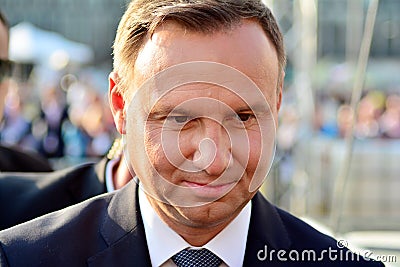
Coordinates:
column 196, row 258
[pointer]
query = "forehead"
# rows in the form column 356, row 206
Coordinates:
column 200, row 85
column 244, row 48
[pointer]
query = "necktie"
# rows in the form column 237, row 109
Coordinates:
column 196, row 258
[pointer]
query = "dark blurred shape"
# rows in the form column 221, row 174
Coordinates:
column 6, row 67
column 16, row 160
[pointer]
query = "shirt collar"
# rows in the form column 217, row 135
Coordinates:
column 109, row 174
column 163, row 242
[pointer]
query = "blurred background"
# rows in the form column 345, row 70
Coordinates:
column 335, row 166
column 57, row 103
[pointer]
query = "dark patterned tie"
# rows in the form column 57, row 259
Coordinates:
column 196, row 258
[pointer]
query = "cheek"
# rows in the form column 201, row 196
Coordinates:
column 254, row 151
column 262, row 147
column 176, row 146
column 162, row 149
column 246, row 148
column 152, row 144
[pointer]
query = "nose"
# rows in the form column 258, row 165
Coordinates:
column 213, row 153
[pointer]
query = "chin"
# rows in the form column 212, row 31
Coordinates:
column 213, row 213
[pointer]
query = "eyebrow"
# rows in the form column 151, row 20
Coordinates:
column 166, row 110
column 258, row 107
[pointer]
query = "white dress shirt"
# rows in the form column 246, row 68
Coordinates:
column 229, row 245
column 109, row 174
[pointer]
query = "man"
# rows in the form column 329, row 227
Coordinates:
column 25, row 196
column 195, row 91
column 13, row 159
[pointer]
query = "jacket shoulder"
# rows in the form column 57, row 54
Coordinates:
column 289, row 241
column 15, row 160
column 48, row 240
column 35, row 194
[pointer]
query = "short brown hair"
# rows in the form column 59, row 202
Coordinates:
column 143, row 16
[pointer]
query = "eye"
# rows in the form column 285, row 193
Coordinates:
column 179, row 119
column 244, row 116
column 241, row 120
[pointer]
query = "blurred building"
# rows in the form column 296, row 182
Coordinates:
column 338, row 35
column 323, row 39
column 340, row 26
column 92, row 22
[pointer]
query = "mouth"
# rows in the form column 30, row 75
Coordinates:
column 209, row 190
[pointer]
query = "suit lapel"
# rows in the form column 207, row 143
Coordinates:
column 123, row 231
column 130, row 250
column 266, row 231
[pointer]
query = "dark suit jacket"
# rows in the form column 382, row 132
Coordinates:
column 15, row 160
column 24, row 196
column 108, row 231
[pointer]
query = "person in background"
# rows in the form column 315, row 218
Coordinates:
column 13, row 159
column 25, row 196
column 195, row 92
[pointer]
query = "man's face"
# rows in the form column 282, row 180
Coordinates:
column 200, row 128
column 3, row 55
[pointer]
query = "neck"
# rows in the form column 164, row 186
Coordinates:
column 197, row 238
column 121, row 175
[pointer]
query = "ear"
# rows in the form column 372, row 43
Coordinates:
column 280, row 88
column 117, row 103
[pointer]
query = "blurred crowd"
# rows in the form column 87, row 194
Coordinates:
column 67, row 117
column 377, row 115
